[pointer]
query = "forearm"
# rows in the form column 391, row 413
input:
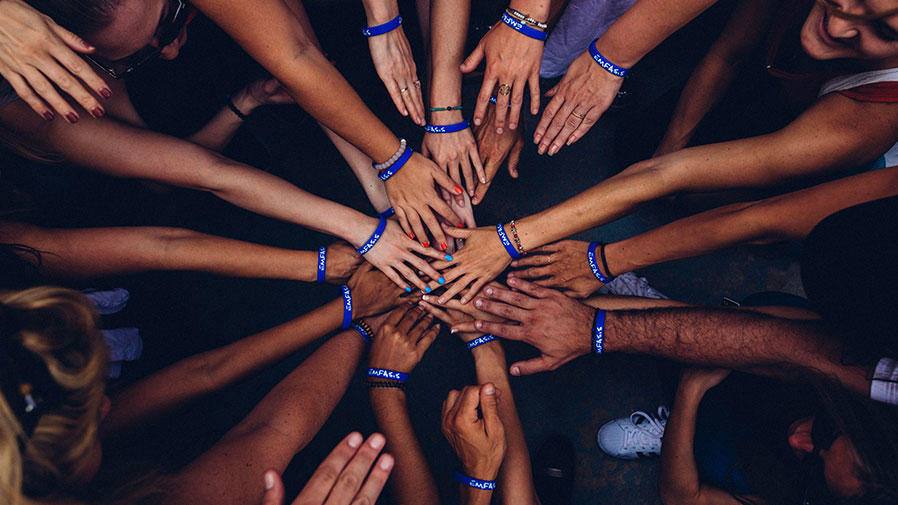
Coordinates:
column 216, row 134
column 729, row 338
column 679, row 480
column 380, row 11
column 515, row 485
column 360, row 164
column 411, row 481
column 210, row 371
column 471, row 496
column 449, row 27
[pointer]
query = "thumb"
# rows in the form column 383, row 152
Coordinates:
column 473, row 59
column 553, row 90
column 274, row 489
column 271, row 85
column 73, row 41
column 456, row 232
column 490, row 409
column 531, row 366
column 514, row 157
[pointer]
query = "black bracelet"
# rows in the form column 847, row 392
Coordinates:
column 235, row 110
column 605, row 262
column 385, row 384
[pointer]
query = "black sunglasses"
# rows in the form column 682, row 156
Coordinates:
column 169, row 29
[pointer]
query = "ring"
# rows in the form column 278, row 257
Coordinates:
column 504, row 89
column 403, row 90
column 578, row 115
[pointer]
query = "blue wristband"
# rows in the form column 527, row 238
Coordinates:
column 479, row 341
column 523, row 29
column 387, row 213
column 347, row 306
column 604, row 63
column 392, row 169
column 381, row 225
column 449, row 128
column 475, row 483
column 322, row 263
column 500, row 229
column 591, row 258
column 494, row 100
column 598, row 332
column 387, row 27
column 382, row 373
column 363, row 332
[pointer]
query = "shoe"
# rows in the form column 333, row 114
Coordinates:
column 553, row 471
column 108, row 301
column 633, row 437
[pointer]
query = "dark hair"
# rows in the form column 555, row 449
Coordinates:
column 82, row 17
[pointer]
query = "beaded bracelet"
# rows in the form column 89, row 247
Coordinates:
column 527, row 20
column 604, row 63
column 440, row 109
column 591, row 259
column 475, row 483
column 392, row 169
column 347, row 306
column 385, row 384
column 364, row 330
column 598, row 332
column 322, row 264
column 387, row 27
column 380, row 166
column 381, row 225
column 500, row 230
column 517, row 239
column 479, row 341
column 387, row 374
column 449, row 128
column 523, row 29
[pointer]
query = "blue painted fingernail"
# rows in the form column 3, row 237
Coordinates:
column 427, row 289
column 408, row 289
column 441, row 280
column 448, row 257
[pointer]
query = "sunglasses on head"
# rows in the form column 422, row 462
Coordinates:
column 170, row 26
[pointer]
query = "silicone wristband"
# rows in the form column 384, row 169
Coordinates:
column 347, row 306
column 598, row 332
column 509, row 247
column 322, row 263
column 604, row 63
column 449, row 128
column 387, row 213
column 387, row 27
column 387, row 374
column 479, row 341
column 381, row 225
column 475, row 483
column 494, row 99
column 391, row 170
column 591, row 258
column 363, row 332
column 523, row 29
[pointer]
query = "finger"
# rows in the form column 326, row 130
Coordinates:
column 490, row 409
column 24, row 91
column 533, row 259
column 453, row 170
column 395, row 277
column 473, row 59
column 468, row 403
column 274, row 489
column 436, row 312
column 478, row 165
column 553, row 90
column 517, row 100
column 514, row 157
column 404, row 222
column 396, row 96
column 513, row 298
column 531, row 366
column 427, row 339
column 408, row 99
column 501, row 108
column 483, row 98
column 591, row 117
column 501, row 330
column 548, row 115
column 534, row 272
column 353, row 475
column 418, row 231
column 398, row 313
column 428, row 270
column 448, row 407
column 443, row 209
column 481, row 192
column 444, row 181
column 409, row 275
column 529, row 288
column 499, row 308
column 83, row 71
column 374, row 484
column 47, row 92
column 573, row 121
column 533, row 84
column 475, row 289
column 322, row 481
column 73, row 87
column 430, row 253
column 455, row 232
column 411, row 316
column 417, row 98
column 455, row 288
column 550, row 142
column 468, row 174
column 73, row 41
column 436, row 231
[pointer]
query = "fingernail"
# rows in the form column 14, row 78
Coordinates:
column 408, row 289
column 499, row 131
column 458, row 190
column 478, row 303
column 386, row 462
column 448, row 257
column 441, row 301
column 411, row 236
column 98, row 112
column 512, row 126
column 541, row 150
column 425, row 244
column 514, row 264
column 443, row 246
column 489, row 389
column 355, row 440
column 269, row 481
column 479, row 325
column 483, row 180
column 425, row 298
column 488, row 291
column 441, row 281
column 427, row 289
column 569, row 141
column 48, row 115
column 377, row 441
column 513, row 280
column 477, row 121
column 515, row 370
column 71, row 117
column 461, row 225
column 105, row 92
column 554, row 149
column 453, row 330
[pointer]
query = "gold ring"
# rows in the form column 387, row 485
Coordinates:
column 504, row 89
column 578, row 115
column 403, row 90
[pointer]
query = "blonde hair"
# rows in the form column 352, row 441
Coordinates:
column 59, row 327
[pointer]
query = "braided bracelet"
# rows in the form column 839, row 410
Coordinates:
column 380, row 166
column 523, row 29
column 449, row 128
column 604, row 63
column 387, row 27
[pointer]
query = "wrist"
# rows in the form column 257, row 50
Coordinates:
column 245, row 102
column 481, row 470
column 445, row 117
column 536, row 9
column 379, row 12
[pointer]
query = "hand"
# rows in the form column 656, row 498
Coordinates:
column 393, row 254
column 703, row 379
column 564, row 266
column 372, row 292
column 560, row 327
column 587, row 90
column 342, row 478
column 403, row 339
column 342, row 262
column 464, row 210
column 414, row 198
column 494, row 148
column 395, row 65
column 261, row 92
column 478, row 442
column 36, row 55
column 455, row 153
column 453, row 312
column 482, row 259
column 512, row 59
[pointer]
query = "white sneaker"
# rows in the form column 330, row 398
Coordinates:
column 633, row 437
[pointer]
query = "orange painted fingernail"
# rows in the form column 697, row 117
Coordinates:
column 443, row 246
column 458, row 190
column 411, row 236
column 425, row 244
column 461, row 225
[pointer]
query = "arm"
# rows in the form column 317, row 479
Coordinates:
column 114, row 251
column 361, row 167
column 716, row 71
column 679, row 481
column 213, row 370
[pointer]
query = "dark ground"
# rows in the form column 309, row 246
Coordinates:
column 180, row 313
